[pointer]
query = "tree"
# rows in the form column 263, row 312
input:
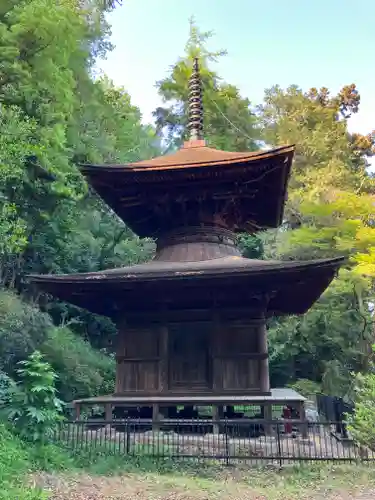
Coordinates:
column 329, row 212
column 229, row 123
column 53, row 115
column 327, row 156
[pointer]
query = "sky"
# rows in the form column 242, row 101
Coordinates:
column 311, row 44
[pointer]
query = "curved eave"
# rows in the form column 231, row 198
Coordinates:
column 147, row 166
column 294, row 286
column 127, row 189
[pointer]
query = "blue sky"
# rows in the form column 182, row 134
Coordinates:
column 319, row 43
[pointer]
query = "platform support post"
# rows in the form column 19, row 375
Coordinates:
column 77, row 411
column 304, row 424
column 108, row 415
column 267, row 415
column 156, row 417
column 215, row 418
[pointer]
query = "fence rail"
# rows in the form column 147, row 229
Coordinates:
column 255, row 441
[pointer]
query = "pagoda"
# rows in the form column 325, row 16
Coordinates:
column 192, row 321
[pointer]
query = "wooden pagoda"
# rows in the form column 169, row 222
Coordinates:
column 192, row 322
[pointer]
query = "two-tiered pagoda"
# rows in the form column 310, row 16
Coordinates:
column 192, row 322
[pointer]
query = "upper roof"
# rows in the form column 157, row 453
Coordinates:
column 195, row 154
column 154, row 196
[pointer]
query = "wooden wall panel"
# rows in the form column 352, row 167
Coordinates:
column 237, row 374
column 232, row 339
column 138, row 352
column 189, row 356
column 137, row 377
column 235, row 347
column 138, row 343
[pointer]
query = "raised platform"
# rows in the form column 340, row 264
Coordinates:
column 278, row 396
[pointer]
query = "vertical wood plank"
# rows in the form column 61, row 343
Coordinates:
column 264, row 376
column 77, row 411
column 156, row 417
column 215, row 417
column 163, row 362
column 215, row 364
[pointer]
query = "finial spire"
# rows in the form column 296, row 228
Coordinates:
column 195, row 124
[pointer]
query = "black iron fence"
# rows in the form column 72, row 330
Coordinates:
column 229, row 441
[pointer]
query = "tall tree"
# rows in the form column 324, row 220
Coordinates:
column 329, row 213
column 229, row 122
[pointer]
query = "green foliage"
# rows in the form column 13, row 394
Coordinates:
column 361, row 422
column 82, row 370
column 306, row 387
column 329, row 213
column 23, row 328
column 325, row 345
column 6, row 384
column 14, row 467
column 251, row 246
column 229, row 123
column 33, row 406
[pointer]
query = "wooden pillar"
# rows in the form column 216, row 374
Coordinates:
column 163, row 362
column 215, row 417
column 108, row 412
column 214, row 363
column 156, row 417
column 264, row 376
column 267, row 412
column 121, row 326
column 108, row 415
column 77, row 411
column 304, row 424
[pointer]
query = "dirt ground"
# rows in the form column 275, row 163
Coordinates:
column 233, row 486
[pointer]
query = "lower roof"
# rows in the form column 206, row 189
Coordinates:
column 293, row 286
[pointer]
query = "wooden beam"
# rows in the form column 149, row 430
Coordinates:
column 163, row 359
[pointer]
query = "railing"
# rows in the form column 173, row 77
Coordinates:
column 229, row 441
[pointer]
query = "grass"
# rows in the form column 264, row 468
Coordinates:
column 41, row 472
column 146, row 481
column 15, row 463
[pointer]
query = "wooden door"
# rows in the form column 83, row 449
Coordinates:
column 189, row 357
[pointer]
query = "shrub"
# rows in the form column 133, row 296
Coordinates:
column 23, row 328
column 6, row 384
column 361, row 424
column 83, row 371
column 33, row 406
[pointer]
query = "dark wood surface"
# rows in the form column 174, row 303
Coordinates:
column 218, row 356
column 234, row 186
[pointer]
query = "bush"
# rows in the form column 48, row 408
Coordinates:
column 83, row 371
column 32, row 405
column 23, row 328
column 361, row 424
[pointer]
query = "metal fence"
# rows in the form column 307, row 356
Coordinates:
column 228, row 441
